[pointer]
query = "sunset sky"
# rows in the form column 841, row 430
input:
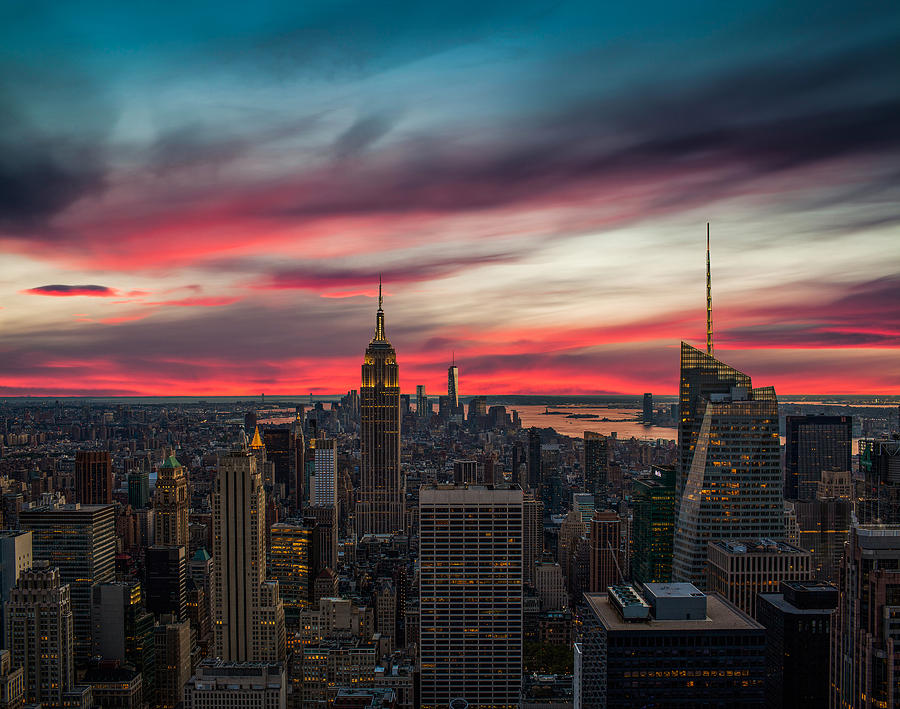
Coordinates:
column 197, row 198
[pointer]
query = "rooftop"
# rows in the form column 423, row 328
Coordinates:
column 720, row 615
column 756, row 546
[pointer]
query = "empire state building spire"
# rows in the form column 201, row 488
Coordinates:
column 379, row 317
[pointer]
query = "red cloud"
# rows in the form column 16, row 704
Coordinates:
column 63, row 290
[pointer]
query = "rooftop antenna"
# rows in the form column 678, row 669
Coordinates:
column 709, row 328
column 379, row 292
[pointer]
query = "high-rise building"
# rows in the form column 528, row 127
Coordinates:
column 79, row 540
column 381, row 497
column 40, row 638
column 583, row 503
column 423, row 406
column 165, row 582
column 823, row 524
column 281, row 442
column 596, row 466
column 814, row 444
column 123, row 629
column 15, row 557
column 93, row 477
column 647, row 417
column 668, row 645
column 456, row 409
column 653, row 526
column 879, row 462
column 218, row 684
column 138, row 489
column 532, row 533
column 865, row 669
column 534, row 458
column 289, row 564
column 741, row 569
column 465, row 472
column 243, row 604
column 323, row 485
column 470, row 595
column 172, row 641
column 171, row 503
column 12, row 682
column 732, row 486
column 798, row 643
column 606, row 560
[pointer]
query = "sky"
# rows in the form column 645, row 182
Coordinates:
column 198, row 198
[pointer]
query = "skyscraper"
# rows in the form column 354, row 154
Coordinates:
column 814, row 444
column 39, row 635
column 456, row 410
column 422, row 403
column 647, row 416
column 653, row 528
column 534, row 458
column 93, row 477
column 596, row 466
column 606, row 560
column 731, row 487
column 242, row 604
column 165, row 584
column 289, row 564
column 171, row 504
column 470, row 595
column 380, row 501
column 324, row 483
column 80, row 540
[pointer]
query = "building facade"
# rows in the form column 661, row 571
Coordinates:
column 171, row 503
column 653, row 526
column 470, row 556
column 814, row 444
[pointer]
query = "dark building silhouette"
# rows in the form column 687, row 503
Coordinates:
column 798, row 643
column 653, row 526
column 647, row 417
column 165, row 582
column 813, row 444
column 281, row 450
column 879, row 462
column 93, row 477
column 596, row 465
column 534, row 458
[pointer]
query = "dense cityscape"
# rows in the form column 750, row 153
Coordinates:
column 378, row 551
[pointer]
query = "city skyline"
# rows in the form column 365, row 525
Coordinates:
column 200, row 204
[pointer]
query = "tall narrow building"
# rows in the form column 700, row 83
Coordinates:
column 470, row 595
column 814, row 444
column 456, row 411
column 93, row 477
column 171, row 504
column 248, row 620
column 380, row 500
column 596, row 466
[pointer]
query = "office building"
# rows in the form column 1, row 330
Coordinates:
column 583, row 504
column 12, row 683
column 550, row 585
column 879, row 462
column 865, row 669
column 456, row 409
column 532, row 533
column 172, row 642
column 39, row 636
column 814, row 444
column 171, row 503
column 323, row 484
column 741, row 569
column 535, row 474
column 596, row 466
column 165, row 581
column 380, row 504
column 115, row 685
column 289, row 564
column 465, row 472
column 470, row 558
column 732, row 488
column 281, row 443
column 423, row 406
column 669, row 645
column 243, row 603
column 15, row 557
column 80, row 541
column 647, row 416
column 653, row 526
column 798, row 643
column 823, row 524
column 322, row 520
column 218, row 684
column 606, row 556
column 123, row 629
column 138, row 489
column 93, row 477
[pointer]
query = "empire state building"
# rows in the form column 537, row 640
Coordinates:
column 380, row 499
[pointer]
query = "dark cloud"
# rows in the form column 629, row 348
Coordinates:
column 63, row 290
column 363, row 133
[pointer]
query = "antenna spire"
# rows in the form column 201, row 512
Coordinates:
column 709, row 326
column 379, row 291
column 379, row 316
